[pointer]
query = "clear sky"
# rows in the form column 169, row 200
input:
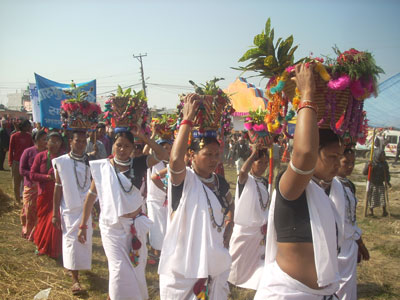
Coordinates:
column 96, row 39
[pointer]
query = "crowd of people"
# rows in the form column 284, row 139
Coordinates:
column 300, row 241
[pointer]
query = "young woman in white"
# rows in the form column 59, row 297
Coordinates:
column 247, row 245
column 116, row 182
column 194, row 258
column 303, row 235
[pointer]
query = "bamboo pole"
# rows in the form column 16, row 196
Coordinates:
column 369, row 172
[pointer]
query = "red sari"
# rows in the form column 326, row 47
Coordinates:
column 46, row 237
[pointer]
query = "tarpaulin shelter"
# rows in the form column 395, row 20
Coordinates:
column 385, row 109
column 244, row 97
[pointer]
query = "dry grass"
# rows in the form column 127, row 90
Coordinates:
column 23, row 274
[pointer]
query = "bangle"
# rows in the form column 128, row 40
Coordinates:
column 93, row 193
column 155, row 157
column 300, row 172
column 187, row 122
column 175, row 172
column 83, row 227
column 58, row 184
column 307, row 104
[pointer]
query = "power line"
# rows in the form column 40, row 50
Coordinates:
column 139, row 58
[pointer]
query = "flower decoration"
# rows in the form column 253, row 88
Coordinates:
column 214, row 104
column 77, row 112
column 126, row 108
column 257, row 127
column 165, row 125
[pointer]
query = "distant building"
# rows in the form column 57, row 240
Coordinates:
column 19, row 101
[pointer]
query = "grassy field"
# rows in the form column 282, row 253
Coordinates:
column 23, row 274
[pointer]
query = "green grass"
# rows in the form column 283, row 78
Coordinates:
column 23, row 274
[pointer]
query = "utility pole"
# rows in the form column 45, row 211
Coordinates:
column 139, row 58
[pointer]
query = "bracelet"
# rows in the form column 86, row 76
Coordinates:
column 83, row 227
column 93, row 193
column 300, row 172
column 307, row 104
column 187, row 122
column 58, row 184
column 175, row 172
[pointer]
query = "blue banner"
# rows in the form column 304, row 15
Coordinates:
column 51, row 94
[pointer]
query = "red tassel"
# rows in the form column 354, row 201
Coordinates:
column 339, row 123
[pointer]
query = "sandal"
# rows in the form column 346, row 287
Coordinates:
column 76, row 289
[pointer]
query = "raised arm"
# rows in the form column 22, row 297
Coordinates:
column 159, row 153
column 177, row 157
column 244, row 171
column 306, row 138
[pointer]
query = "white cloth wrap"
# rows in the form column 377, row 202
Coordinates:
column 192, row 247
column 76, row 256
column 126, row 282
column 323, row 216
column 176, row 287
column 349, row 250
column 280, row 286
column 245, row 244
column 114, row 202
column 157, row 211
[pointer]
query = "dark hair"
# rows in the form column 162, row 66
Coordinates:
column 38, row 135
column 198, row 143
column 327, row 137
column 54, row 133
column 101, row 125
column 24, row 124
column 261, row 153
column 125, row 134
column 71, row 137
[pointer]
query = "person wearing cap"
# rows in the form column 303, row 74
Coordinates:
column 72, row 182
column 19, row 141
column 47, row 238
column 157, row 201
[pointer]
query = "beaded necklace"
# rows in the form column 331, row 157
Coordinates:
column 119, row 180
column 77, row 158
column 263, row 206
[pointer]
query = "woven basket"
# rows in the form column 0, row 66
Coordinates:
column 260, row 137
column 79, row 123
column 125, row 120
column 212, row 113
column 320, row 97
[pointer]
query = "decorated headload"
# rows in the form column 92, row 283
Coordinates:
column 78, row 113
column 165, row 126
column 257, row 127
column 270, row 60
column 126, row 109
column 342, row 85
column 214, row 110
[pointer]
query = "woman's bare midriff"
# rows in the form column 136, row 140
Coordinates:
column 297, row 260
column 133, row 215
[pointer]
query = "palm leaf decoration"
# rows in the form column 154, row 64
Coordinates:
column 267, row 59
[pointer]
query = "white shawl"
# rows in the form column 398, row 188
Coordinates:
column 72, row 197
column 248, row 210
column 114, row 202
column 323, row 216
column 192, row 247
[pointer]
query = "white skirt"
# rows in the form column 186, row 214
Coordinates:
column 247, row 256
column 158, row 213
column 126, row 282
column 180, row 288
column 76, row 256
column 277, row 285
column 347, row 260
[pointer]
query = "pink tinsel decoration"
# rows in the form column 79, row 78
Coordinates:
column 339, row 84
column 260, row 127
column 248, row 126
column 289, row 69
column 357, row 89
